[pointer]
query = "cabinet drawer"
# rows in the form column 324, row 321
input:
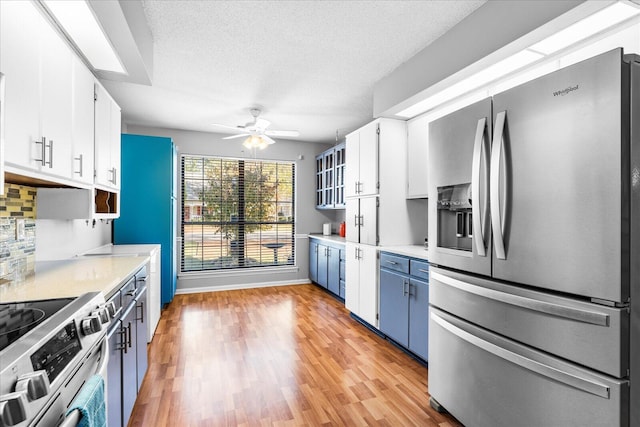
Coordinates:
column 419, row 269
column 393, row 262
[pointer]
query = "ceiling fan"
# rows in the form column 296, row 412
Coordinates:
column 256, row 131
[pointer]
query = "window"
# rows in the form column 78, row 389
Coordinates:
column 236, row 213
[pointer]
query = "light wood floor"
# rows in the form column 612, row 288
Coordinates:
column 283, row 356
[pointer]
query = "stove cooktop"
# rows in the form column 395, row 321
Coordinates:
column 18, row 318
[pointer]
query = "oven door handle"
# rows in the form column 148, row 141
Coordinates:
column 102, row 369
column 72, row 419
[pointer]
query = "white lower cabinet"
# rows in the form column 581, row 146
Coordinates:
column 361, row 270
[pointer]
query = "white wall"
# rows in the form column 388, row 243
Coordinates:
column 64, row 239
column 308, row 219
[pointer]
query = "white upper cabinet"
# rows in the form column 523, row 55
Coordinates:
column 417, row 157
column 361, row 170
column 41, row 92
column 83, row 126
column 107, row 140
column 20, row 63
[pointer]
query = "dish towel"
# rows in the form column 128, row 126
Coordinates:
column 90, row 403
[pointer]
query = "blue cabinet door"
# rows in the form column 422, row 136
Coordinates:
column 419, row 318
column 394, row 306
column 333, row 270
column 148, row 201
column 141, row 335
column 129, row 361
column 114, row 375
column 313, row 261
column 322, row 265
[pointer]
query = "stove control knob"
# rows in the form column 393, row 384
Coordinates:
column 13, row 409
column 111, row 309
column 34, row 384
column 102, row 314
column 91, row 325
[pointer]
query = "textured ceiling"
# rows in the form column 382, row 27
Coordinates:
column 310, row 65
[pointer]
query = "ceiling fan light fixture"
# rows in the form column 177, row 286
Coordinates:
column 255, row 141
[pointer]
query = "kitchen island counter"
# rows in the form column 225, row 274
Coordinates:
column 73, row 277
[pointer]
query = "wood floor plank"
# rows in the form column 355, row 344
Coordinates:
column 282, row 356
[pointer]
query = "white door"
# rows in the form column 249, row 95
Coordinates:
column 368, row 296
column 103, row 168
column 352, row 278
column 56, row 102
column 82, row 130
column 369, row 220
column 352, row 166
column 20, row 25
column 368, row 184
column 417, row 157
column 352, row 220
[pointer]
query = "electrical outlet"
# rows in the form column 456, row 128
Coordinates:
column 20, row 228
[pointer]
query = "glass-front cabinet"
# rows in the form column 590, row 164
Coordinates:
column 330, row 178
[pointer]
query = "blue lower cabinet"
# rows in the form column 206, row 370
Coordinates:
column 404, row 302
column 333, row 270
column 419, row 317
column 326, row 265
column 313, row 261
column 394, row 306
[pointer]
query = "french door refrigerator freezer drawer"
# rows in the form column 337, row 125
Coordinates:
column 592, row 335
column 485, row 380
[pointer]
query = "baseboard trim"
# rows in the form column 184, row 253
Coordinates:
column 238, row 286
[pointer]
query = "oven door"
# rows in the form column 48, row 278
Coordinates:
column 94, row 363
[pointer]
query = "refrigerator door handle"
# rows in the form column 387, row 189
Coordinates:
column 568, row 378
column 480, row 217
column 553, row 309
column 497, row 219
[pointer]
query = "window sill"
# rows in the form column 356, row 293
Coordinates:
column 239, row 272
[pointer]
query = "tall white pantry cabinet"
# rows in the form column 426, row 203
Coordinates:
column 376, row 208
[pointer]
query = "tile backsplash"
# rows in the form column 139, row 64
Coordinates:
column 17, row 231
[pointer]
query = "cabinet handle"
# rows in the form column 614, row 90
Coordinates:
column 328, row 252
column 43, row 154
column 79, row 159
column 391, row 262
column 356, row 187
column 404, row 288
column 50, row 154
column 113, row 172
column 141, row 307
column 361, row 222
column 422, row 270
column 355, row 220
column 123, row 337
column 129, row 340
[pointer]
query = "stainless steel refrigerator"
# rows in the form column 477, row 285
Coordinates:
column 535, row 240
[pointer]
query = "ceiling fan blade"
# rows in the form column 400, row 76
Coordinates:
column 267, row 139
column 282, row 133
column 236, row 128
column 236, row 136
column 262, row 123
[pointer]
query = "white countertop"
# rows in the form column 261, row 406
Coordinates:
column 73, row 277
column 332, row 238
column 414, row 251
column 111, row 249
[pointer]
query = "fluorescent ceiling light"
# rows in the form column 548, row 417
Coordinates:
column 78, row 21
column 489, row 74
column 606, row 18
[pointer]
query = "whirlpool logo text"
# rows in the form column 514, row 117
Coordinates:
column 563, row 92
